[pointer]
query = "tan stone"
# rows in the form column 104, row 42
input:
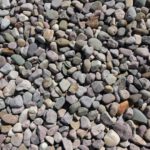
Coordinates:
column 5, row 128
column 10, row 119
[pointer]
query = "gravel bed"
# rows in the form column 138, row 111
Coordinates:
column 74, row 75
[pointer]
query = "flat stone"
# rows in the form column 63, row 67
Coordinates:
column 111, row 138
column 51, row 116
column 108, row 98
column 10, row 119
column 139, row 116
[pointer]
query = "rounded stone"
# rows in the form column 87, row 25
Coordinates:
column 111, row 138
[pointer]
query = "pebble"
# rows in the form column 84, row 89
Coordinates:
column 27, row 7
column 111, row 138
column 86, row 101
column 51, row 14
column 144, row 52
column 5, row 4
column 131, row 14
column 95, row 43
column 5, row 23
column 18, row 59
column 108, row 98
column 16, row 139
column 52, row 56
column 64, row 85
column 124, row 94
column 97, row 86
column 85, row 123
column 110, row 79
column 9, row 90
column 147, row 135
column 51, row 116
column 97, row 129
column 123, row 130
column 24, row 85
column 139, row 116
column 67, row 144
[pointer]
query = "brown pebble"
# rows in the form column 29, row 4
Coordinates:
column 5, row 128
column 10, row 119
column 146, row 75
column 93, row 22
column 123, row 107
column 7, row 51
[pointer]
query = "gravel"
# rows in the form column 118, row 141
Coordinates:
column 74, row 74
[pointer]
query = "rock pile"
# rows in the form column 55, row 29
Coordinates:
column 74, row 74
